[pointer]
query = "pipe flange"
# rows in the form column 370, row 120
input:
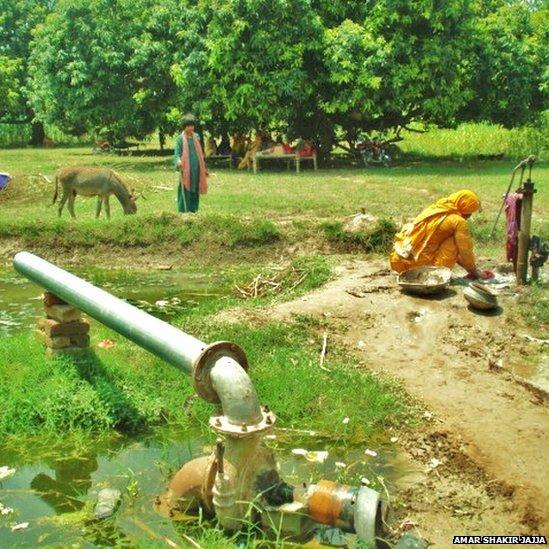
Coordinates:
column 222, row 425
column 205, row 361
column 368, row 515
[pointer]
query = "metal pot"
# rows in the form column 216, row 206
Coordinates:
column 480, row 297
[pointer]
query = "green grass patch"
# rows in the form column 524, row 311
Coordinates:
column 94, row 393
column 285, row 370
column 534, row 307
column 145, row 230
column 127, row 389
column 379, row 239
column 473, row 140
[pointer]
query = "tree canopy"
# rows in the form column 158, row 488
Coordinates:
column 309, row 68
column 18, row 18
column 101, row 66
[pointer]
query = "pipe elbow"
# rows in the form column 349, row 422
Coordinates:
column 191, row 487
column 236, row 392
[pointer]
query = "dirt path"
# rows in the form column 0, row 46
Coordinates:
column 487, row 429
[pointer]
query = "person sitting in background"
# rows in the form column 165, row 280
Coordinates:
column 277, row 148
column 305, row 149
column 439, row 236
column 288, row 149
column 224, row 148
column 210, row 148
column 254, row 148
column 238, row 147
column 267, row 142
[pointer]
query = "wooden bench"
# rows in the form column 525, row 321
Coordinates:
column 221, row 157
column 125, row 147
column 288, row 157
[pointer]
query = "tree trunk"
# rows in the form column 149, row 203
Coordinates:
column 326, row 140
column 161, row 138
column 38, row 134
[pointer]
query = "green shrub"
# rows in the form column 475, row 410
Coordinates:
column 378, row 239
column 255, row 233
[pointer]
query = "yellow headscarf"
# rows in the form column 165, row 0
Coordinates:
column 413, row 238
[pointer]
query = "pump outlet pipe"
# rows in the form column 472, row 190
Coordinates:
column 218, row 370
column 242, row 470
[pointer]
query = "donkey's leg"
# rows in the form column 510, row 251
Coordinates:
column 62, row 203
column 70, row 205
column 98, row 207
column 107, row 207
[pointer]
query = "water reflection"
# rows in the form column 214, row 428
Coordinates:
column 162, row 294
column 56, row 489
column 72, row 480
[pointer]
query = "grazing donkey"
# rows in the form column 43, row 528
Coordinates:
column 100, row 182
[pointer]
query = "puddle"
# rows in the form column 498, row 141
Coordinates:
column 54, row 489
column 534, row 370
column 55, row 493
column 162, row 294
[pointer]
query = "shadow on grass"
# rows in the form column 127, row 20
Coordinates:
column 126, row 417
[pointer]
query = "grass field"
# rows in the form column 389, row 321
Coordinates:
column 104, row 391
column 258, row 221
column 246, row 209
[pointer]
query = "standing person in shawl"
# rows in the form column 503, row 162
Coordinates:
column 189, row 160
column 439, row 236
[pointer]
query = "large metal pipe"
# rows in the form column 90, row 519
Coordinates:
column 242, row 466
column 154, row 335
column 232, row 385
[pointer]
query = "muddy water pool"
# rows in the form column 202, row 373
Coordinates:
column 54, row 489
column 162, row 293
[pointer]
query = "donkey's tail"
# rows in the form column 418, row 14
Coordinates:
column 56, row 193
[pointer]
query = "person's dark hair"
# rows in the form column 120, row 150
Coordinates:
column 188, row 120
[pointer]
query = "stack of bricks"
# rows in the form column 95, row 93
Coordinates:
column 63, row 331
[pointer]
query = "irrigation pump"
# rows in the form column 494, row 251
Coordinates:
column 239, row 482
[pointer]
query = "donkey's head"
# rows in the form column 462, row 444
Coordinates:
column 130, row 207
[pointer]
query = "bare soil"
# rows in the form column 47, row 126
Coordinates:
column 485, row 424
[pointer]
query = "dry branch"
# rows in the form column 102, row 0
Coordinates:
column 276, row 280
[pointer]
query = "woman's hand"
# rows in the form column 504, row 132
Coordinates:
column 476, row 274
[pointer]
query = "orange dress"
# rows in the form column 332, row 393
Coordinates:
column 451, row 243
column 439, row 236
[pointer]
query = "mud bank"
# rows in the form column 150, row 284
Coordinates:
column 483, row 445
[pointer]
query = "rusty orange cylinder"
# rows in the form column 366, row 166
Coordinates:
column 332, row 503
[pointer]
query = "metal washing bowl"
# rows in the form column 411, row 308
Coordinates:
column 425, row 280
column 480, row 297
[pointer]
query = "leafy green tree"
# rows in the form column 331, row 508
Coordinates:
column 317, row 69
column 354, row 66
column 101, row 66
column 509, row 65
column 17, row 21
column 405, row 62
column 10, row 92
column 242, row 62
